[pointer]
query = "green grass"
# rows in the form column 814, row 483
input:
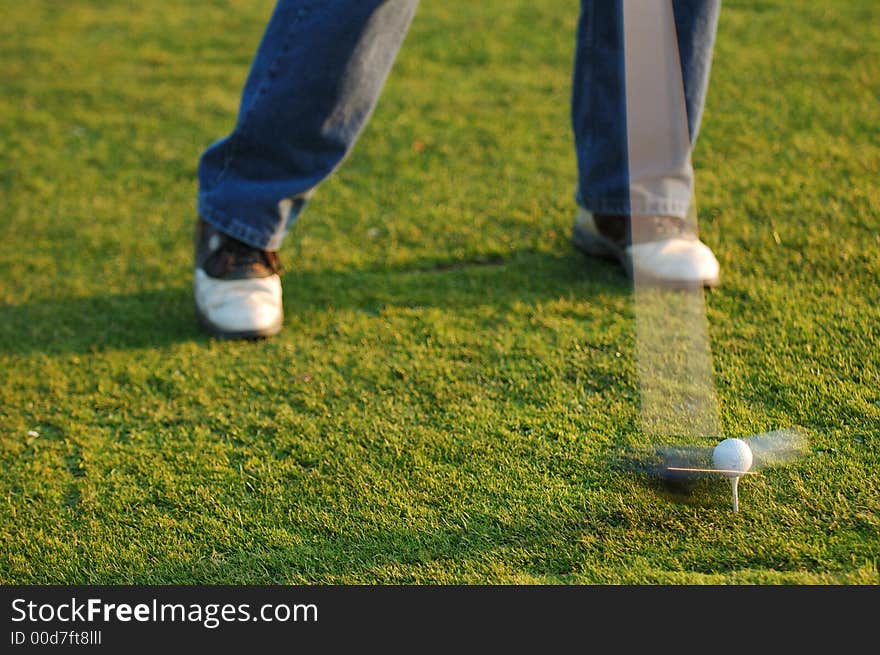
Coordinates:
column 453, row 381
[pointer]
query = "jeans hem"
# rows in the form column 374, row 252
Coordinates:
column 239, row 229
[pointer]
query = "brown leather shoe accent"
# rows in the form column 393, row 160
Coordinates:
column 231, row 259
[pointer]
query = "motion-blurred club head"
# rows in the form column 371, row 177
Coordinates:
column 681, row 469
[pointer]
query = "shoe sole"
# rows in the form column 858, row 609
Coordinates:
column 598, row 246
column 217, row 331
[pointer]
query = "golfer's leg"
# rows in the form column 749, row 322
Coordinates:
column 312, row 86
column 640, row 79
column 598, row 108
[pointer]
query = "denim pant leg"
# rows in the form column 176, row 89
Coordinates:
column 311, row 89
column 640, row 78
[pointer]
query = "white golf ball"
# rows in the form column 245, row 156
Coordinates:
column 733, row 456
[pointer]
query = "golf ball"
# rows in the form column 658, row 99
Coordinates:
column 733, row 456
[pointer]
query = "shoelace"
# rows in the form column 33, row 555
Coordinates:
column 642, row 229
column 234, row 255
column 655, row 228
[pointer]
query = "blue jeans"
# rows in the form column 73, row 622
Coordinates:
column 640, row 76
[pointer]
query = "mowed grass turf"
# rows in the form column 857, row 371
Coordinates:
column 454, row 381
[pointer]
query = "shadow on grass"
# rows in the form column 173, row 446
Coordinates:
column 547, row 546
column 162, row 317
column 91, row 324
column 387, row 555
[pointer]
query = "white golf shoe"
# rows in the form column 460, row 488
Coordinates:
column 236, row 287
column 662, row 250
